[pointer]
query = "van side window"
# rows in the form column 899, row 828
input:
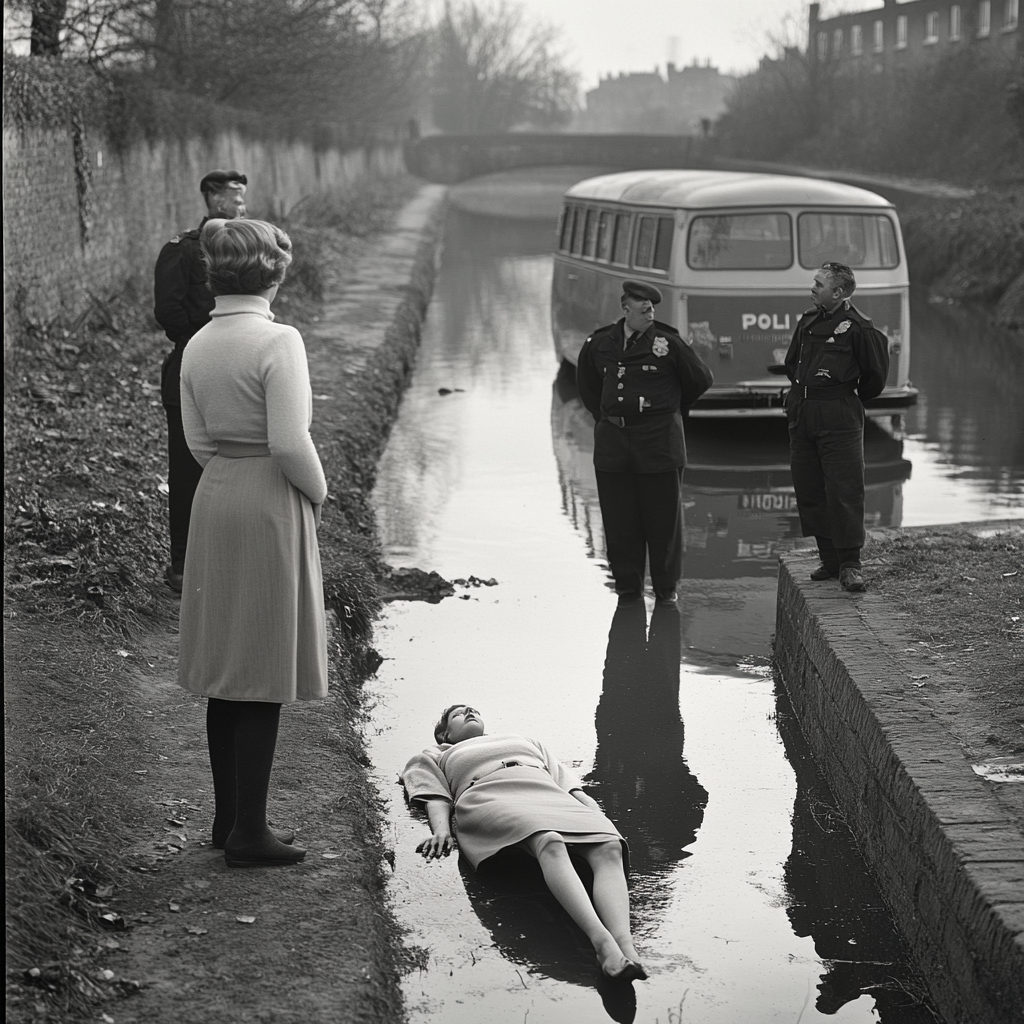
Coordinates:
column 749, row 241
column 565, row 230
column 605, row 234
column 623, row 236
column 577, row 231
column 865, row 240
column 654, row 243
column 590, row 234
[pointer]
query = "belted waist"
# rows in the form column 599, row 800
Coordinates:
column 823, row 394
column 635, row 421
column 243, row 450
column 506, row 764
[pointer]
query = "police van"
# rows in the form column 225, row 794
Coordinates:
column 734, row 256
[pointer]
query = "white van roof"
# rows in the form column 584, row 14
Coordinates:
column 716, row 189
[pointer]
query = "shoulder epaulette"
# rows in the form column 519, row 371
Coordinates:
column 667, row 329
column 864, row 319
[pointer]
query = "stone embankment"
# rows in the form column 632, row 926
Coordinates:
column 946, row 845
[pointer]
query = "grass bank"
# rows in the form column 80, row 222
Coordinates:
column 970, row 250
column 85, row 547
column 965, row 595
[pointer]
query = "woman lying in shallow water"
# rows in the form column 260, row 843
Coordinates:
column 507, row 790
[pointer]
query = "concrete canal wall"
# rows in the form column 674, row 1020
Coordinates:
column 947, row 855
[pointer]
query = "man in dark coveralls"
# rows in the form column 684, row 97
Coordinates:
column 636, row 377
column 183, row 305
column 836, row 362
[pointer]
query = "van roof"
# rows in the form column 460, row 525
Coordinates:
column 715, row 189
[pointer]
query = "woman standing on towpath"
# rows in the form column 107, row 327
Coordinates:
column 253, row 631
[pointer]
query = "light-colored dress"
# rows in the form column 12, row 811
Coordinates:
column 252, row 607
column 504, row 788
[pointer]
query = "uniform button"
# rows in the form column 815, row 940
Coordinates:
column 620, row 387
column 620, row 398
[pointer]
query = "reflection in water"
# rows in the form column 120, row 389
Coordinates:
column 971, row 375
column 739, row 508
column 639, row 773
column 833, row 900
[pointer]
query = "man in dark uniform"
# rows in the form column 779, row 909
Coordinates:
column 836, row 355
column 183, row 305
column 636, row 377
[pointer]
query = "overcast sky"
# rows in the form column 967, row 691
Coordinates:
column 603, row 36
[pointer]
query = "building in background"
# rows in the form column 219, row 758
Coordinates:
column 906, row 35
column 683, row 103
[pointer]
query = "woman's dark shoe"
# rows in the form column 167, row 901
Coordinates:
column 220, row 839
column 266, row 852
column 823, row 572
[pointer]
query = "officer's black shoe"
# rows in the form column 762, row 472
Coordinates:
column 667, row 597
column 628, row 596
column 850, row 578
column 823, row 572
column 175, row 580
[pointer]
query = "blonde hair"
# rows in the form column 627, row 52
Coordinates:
column 244, row 257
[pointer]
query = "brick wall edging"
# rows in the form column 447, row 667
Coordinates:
column 949, row 861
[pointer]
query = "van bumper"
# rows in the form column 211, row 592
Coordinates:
column 753, row 402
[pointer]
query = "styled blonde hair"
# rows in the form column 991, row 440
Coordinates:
column 243, row 257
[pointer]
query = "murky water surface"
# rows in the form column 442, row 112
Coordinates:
column 750, row 901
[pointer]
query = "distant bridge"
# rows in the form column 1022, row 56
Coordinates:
column 449, row 159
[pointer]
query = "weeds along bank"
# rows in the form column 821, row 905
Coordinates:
column 85, row 546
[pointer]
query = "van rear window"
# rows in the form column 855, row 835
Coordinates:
column 865, row 240
column 748, row 241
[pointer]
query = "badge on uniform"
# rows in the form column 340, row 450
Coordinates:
column 621, row 372
column 660, row 347
column 843, row 327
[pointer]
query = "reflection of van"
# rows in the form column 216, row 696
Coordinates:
column 734, row 256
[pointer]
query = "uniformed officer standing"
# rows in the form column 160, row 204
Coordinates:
column 836, row 362
column 183, row 305
column 636, row 376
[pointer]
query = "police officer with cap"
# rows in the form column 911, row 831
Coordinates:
column 636, row 377
column 183, row 303
column 836, row 362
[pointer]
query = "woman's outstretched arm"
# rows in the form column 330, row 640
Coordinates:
column 440, row 843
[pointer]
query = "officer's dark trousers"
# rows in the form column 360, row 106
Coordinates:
column 642, row 519
column 826, row 451
column 183, row 473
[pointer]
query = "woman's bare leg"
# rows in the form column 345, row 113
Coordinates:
column 567, row 887
column 611, row 897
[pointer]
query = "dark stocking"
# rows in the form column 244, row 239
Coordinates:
column 220, row 736
column 255, row 740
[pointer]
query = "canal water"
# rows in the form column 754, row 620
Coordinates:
column 749, row 898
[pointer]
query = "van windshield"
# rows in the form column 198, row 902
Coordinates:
column 747, row 241
column 865, row 240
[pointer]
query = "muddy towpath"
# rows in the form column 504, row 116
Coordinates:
column 177, row 935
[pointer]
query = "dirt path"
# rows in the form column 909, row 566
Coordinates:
column 192, row 940
column 210, row 943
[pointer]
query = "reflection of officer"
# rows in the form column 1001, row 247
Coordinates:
column 183, row 305
column 836, row 354
column 635, row 377
column 639, row 773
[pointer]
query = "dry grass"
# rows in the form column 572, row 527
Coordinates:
column 965, row 595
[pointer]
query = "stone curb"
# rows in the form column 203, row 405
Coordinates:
column 949, row 860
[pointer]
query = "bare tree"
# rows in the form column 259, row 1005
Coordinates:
column 493, row 70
